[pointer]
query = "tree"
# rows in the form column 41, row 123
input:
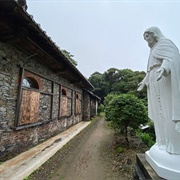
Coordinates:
column 69, row 56
column 108, row 98
column 111, row 77
column 126, row 110
column 118, row 81
column 97, row 80
column 128, row 81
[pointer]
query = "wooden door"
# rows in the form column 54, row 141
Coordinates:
column 29, row 107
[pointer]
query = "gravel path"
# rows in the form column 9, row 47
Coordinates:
column 88, row 160
column 92, row 155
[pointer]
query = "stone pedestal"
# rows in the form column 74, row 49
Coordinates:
column 143, row 171
column 165, row 164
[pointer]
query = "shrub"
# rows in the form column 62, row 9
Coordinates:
column 146, row 138
column 100, row 109
column 126, row 110
column 108, row 98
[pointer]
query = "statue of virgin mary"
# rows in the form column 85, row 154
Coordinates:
column 163, row 89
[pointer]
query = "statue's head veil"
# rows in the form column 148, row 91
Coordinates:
column 155, row 31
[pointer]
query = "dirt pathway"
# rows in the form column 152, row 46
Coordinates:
column 94, row 154
column 89, row 159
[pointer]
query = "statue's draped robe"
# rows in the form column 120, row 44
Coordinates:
column 164, row 95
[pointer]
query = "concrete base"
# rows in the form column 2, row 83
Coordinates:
column 143, row 171
column 165, row 164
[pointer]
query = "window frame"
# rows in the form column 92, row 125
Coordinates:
column 65, row 89
column 78, row 96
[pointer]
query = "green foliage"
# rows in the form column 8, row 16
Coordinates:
column 148, row 135
column 100, row 109
column 26, row 178
column 99, row 84
column 146, row 138
column 120, row 149
column 126, row 110
column 108, row 98
column 118, row 81
column 102, row 114
column 69, row 56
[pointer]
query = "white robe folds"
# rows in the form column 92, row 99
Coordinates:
column 164, row 95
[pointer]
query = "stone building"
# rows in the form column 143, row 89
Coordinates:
column 41, row 92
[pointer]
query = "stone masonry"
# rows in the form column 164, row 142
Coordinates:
column 14, row 141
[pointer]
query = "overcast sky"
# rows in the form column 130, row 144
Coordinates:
column 103, row 34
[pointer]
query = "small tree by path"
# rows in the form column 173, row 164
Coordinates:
column 126, row 110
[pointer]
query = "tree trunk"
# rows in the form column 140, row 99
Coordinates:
column 126, row 135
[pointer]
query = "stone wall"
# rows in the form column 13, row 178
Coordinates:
column 14, row 140
column 86, row 106
column 93, row 107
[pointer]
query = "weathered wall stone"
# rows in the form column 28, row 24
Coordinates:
column 15, row 141
column 93, row 107
column 86, row 106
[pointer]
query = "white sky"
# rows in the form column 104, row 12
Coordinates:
column 103, row 34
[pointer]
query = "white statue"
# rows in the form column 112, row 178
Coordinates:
column 163, row 88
